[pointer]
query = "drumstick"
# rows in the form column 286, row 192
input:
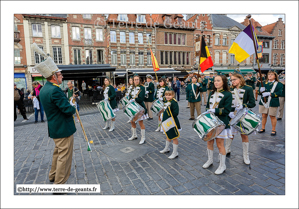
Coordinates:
column 88, row 148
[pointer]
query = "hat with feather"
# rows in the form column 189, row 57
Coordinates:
column 149, row 76
column 46, row 68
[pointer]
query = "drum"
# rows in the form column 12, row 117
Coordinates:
column 157, row 106
column 134, row 111
column 246, row 121
column 106, row 110
column 124, row 101
column 208, row 126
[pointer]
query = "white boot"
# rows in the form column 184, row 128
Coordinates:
column 142, row 136
column 227, row 145
column 159, row 126
column 210, row 159
column 106, row 125
column 222, row 165
column 166, row 148
column 174, row 152
column 134, row 134
column 245, row 152
column 112, row 126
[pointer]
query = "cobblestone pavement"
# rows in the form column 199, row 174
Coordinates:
column 126, row 168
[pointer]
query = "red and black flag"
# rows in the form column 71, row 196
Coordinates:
column 205, row 57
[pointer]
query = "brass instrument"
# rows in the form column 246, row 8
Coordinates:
column 146, row 85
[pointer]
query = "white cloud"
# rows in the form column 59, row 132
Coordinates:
column 262, row 19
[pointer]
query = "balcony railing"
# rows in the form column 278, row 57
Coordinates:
column 17, row 36
column 88, row 42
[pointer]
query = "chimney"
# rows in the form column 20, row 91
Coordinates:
column 279, row 19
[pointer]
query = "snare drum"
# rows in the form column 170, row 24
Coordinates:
column 124, row 101
column 208, row 126
column 246, row 121
column 134, row 111
column 106, row 110
column 157, row 106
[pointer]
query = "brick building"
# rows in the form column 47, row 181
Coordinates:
column 49, row 32
column 174, row 41
column 277, row 29
column 20, row 62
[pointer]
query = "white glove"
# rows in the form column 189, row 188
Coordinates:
column 262, row 89
column 73, row 103
column 211, row 110
column 239, row 107
column 197, row 84
column 106, row 99
column 161, row 98
column 165, row 107
column 231, row 115
column 146, row 92
column 132, row 100
column 266, row 94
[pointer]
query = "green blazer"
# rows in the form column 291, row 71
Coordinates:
column 58, row 110
column 211, row 83
column 245, row 95
column 151, row 90
column 283, row 90
column 190, row 96
column 224, row 107
column 274, row 96
column 161, row 91
column 174, row 108
column 251, row 82
column 110, row 92
column 140, row 98
column 204, row 84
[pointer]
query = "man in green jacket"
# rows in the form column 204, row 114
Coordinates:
column 59, row 112
column 193, row 96
column 204, row 89
column 149, row 95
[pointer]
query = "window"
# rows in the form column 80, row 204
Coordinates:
column 265, row 58
column 174, row 38
column 113, row 57
column 217, row 57
column 231, row 42
column 224, row 41
column 140, row 38
column 88, row 56
column 183, row 39
column 217, row 40
column 149, row 38
column 275, row 59
column 122, row 37
column 208, row 40
column 232, row 59
column 141, row 18
column 282, row 59
column 76, row 33
column 170, row 38
column 149, row 60
column 224, row 58
column 170, row 58
column 99, row 34
column 162, row 60
column 123, row 58
column 179, row 39
column 174, row 58
column 166, row 58
column 166, row 38
column 265, row 44
column 87, row 33
column 132, row 58
column 179, row 57
column 37, row 30
column 248, row 61
column 187, row 53
column 282, row 44
column 55, row 29
column 57, row 55
column 179, row 20
column 140, row 56
column 17, row 56
column 113, row 36
column 275, row 44
column 122, row 17
column 38, row 57
column 131, row 38
column 87, row 16
column 184, row 57
column 100, row 57
column 279, row 33
column 77, row 57
column 16, row 27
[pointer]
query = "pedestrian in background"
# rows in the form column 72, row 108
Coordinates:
column 83, row 85
column 35, row 97
column 176, row 86
column 18, row 102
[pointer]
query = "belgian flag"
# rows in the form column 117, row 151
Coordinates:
column 205, row 57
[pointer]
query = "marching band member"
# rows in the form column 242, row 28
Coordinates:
column 204, row 89
column 210, row 83
column 229, row 81
column 150, row 90
column 219, row 102
column 193, row 96
column 159, row 95
column 188, row 80
column 110, row 95
column 272, row 90
column 281, row 98
column 257, row 86
column 242, row 97
column 250, row 81
column 130, row 86
column 173, row 106
column 137, row 94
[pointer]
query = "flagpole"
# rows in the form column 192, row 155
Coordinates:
column 257, row 59
column 200, row 43
column 152, row 63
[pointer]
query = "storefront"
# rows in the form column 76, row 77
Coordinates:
column 20, row 80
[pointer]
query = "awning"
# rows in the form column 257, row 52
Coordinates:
column 36, row 75
column 227, row 71
column 71, row 72
column 121, row 73
column 168, row 72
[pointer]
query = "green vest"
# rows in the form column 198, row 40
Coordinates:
column 111, row 96
column 274, row 96
column 174, row 108
column 151, row 90
column 224, row 107
column 191, row 92
column 58, row 110
column 245, row 95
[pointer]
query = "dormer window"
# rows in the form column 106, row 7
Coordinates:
column 179, row 20
column 122, row 17
column 141, row 18
column 258, row 29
